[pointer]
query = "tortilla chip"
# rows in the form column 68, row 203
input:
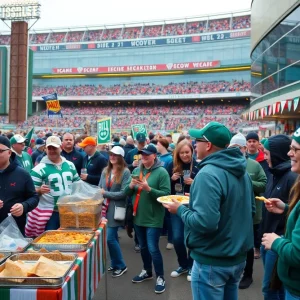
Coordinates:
column 15, row 269
column 48, row 268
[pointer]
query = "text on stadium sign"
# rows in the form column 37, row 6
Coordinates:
column 19, row 11
column 139, row 43
column 139, row 68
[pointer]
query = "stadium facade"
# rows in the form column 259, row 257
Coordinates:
column 275, row 63
column 198, row 60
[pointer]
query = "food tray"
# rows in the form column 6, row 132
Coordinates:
column 35, row 282
column 6, row 255
column 63, row 247
column 29, row 240
column 168, row 199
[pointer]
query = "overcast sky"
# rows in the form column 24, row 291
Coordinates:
column 78, row 13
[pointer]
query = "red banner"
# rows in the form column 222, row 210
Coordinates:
column 139, row 68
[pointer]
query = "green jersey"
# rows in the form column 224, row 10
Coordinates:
column 25, row 161
column 59, row 177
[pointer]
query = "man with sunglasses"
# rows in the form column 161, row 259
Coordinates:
column 218, row 222
column 280, row 183
column 17, row 192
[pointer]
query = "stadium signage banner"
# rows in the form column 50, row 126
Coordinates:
column 20, row 11
column 53, row 105
column 139, row 68
column 141, row 43
column 104, row 131
column 136, row 128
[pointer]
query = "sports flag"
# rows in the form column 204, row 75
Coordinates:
column 136, row 128
column 104, row 131
column 29, row 137
column 53, row 106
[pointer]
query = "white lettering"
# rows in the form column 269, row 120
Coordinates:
column 181, row 66
column 142, row 43
column 25, row 11
column 90, row 70
column 49, row 48
column 102, row 45
column 115, row 69
column 176, row 41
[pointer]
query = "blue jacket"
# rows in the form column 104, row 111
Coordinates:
column 94, row 166
column 167, row 162
column 218, row 222
column 16, row 186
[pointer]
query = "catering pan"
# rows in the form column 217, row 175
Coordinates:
column 4, row 256
column 61, row 246
column 36, row 282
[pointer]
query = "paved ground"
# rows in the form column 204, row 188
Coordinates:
column 176, row 288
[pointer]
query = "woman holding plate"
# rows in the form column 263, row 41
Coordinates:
column 185, row 168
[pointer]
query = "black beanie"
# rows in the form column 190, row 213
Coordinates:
column 5, row 141
column 252, row 136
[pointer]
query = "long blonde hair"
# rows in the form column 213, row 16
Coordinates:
column 121, row 166
column 178, row 164
column 294, row 195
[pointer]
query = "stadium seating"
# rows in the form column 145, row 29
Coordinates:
column 241, row 22
column 146, row 89
column 152, row 31
column 132, row 33
column 174, row 29
column 196, row 27
column 93, row 35
column 75, row 36
column 4, row 39
column 57, row 37
column 39, row 38
column 111, row 34
column 219, row 25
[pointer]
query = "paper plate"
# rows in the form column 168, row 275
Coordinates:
column 168, row 199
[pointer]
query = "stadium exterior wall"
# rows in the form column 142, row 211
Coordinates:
column 265, row 15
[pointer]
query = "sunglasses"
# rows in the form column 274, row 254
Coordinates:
column 3, row 150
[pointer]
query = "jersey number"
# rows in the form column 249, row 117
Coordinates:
column 61, row 183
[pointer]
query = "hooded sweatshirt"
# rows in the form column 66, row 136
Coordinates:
column 218, row 223
column 16, row 186
column 24, row 160
column 150, row 213
column 280, row 182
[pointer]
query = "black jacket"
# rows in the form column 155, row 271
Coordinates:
column 35, row 155
column 16, row 186
column 127, row 148
column 94, row 166
column 279, row 183
column 180, row 181
column 75, row 157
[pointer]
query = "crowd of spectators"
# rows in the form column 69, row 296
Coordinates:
column 174, row 29
column 38, row 38
column 4, row 39
column 219, row 25
column 191, row 87
column 75, row 36
column 57, row 37
column 239, row 22
column 154, row 116
column 196, row 27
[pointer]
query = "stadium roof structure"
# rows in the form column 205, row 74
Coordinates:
column 141, row 23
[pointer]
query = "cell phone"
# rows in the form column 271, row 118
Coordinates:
column 136, row 177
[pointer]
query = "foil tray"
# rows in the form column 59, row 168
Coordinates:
column 6, row 256
column 35, row 282
column 63, row 247
column 29, row 240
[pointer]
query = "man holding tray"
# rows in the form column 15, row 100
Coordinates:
column 218, row 222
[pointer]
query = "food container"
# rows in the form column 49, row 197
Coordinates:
column 83, row 214
column 62, row 246
column 37, row 282
column 4, row 256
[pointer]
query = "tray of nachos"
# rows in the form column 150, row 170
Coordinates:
column 168, row 199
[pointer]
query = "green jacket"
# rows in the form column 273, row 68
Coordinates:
column 150, row 213
column 288, row 250
column 259, row 182
column 25, row 161
column 218, row 223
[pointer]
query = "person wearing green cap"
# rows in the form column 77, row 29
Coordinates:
column 287, row 246
column 218, row 222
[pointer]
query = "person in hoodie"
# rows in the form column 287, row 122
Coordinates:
column 259, row 182
column 218, row 222
column 40, row 147
column 287, row 246
column 279, row 186
column 17, row 192
column 149, row 181
column 52, row 177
